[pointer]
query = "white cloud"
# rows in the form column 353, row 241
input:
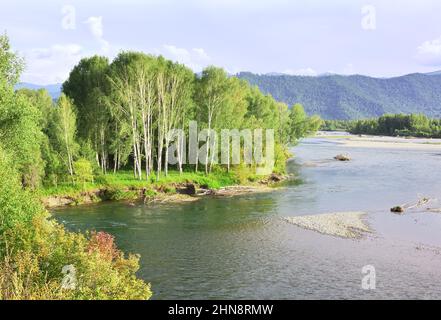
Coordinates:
column 301, row 72
column 57, row 50
column 429, row 52
column 201, row 53
column 95, row 26
column 180, row 54
column 51, row 65
column 195, row 58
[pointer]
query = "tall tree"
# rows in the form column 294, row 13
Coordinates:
column 64, row 132
column 211, row 94
column 302, row 125
column 11, row 65
column 87, row 87
column 232, row 113
column 42, row 101
column 20, row 126
column 180, row 81
column 123, row 77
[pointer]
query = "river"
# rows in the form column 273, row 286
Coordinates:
column 240, row 248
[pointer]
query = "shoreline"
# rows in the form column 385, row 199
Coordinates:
column 182, row 192
column 366, row 141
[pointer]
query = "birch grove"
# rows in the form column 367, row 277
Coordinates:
column 137, row 113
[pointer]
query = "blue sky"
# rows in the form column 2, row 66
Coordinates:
column 377, row 38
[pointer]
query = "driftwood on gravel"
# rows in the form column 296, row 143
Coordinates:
column 421, row 202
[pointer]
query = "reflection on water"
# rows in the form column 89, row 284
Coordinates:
column 240, row 248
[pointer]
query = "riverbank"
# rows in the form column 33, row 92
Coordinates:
column 185, row 187
column 365, row 141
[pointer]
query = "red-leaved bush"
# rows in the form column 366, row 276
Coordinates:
column 104, row 243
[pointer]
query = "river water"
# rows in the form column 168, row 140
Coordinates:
column 240, row 248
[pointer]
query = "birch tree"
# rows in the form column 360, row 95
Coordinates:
column 211, row 94
column 64, row 125
column 180, row 84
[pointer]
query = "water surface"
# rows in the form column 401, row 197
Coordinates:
column 240, row 248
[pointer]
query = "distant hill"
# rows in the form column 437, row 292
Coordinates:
column 53, row 89
column 435, row 73
column 353, row 97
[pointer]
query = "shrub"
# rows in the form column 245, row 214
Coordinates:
column 169, row 190
column 35, row 251
column 102, row 180
column 150, row 193
column 103, row 243
column 83, row 172
column 119, row 194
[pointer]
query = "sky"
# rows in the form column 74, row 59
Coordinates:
column 382, row 38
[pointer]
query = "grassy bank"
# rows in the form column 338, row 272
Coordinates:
column 123, row 186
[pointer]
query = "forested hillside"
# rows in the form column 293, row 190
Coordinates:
column 354, row 97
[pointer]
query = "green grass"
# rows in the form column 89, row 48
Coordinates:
column 124, row 180
column 66, row 189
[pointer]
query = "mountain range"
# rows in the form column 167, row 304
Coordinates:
column 340, row 97
column 356, row 96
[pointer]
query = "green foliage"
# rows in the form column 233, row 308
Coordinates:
column 20, row 133
column 337, row 125
column 150, row 193
column 119, row 194
column 17, row 206
column 244, row 174
column 281, row 155
column 11, row 65
column 62, row 133
column 88, row 88
column 301, row 124
column 42, row 101
column 34, row 250
column 416, row 125
column 211, row 93
column 83, row 172
column 85, row 87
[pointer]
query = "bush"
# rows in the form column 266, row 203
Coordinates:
column 242, row 172
column 169, row 190
column 39, row 259
column 102, row 180
column 150, row 193
column 83, row 172
column 118, row 194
